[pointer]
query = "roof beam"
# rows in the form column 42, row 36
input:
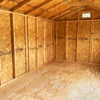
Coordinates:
column 69, row 7
column 63, row 8
column 64, row 2
column 20, row 5
column 69, row 13
column 55, row 5
column 38, row 6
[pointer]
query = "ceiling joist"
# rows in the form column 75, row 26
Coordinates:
column 20, row 5
column 38, row 6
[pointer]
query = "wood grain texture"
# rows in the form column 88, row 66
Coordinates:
column 96, row 48
column 53, row 40
column 48, row 37
column 32, row 42
column 40, row 42
column 6, row 73
column 19, row 44
column 71, row 40
column 60, row 40
column 84, row 30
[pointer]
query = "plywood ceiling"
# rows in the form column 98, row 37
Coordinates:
column 47, row 8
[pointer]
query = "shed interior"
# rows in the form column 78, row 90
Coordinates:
column 49, row 49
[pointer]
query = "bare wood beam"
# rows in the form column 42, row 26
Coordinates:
column 64, row 13
column 20, row 5
column 67, row 9
column 69, row 13
column 38, row 6
column 54, row 8
column 49, row 9
column 60, row 11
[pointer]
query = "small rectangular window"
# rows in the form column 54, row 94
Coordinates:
column 86, row 15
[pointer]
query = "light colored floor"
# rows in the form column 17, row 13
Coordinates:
column 57, row 81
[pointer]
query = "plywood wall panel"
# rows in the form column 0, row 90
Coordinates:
column 6, row 71
column 32, row 42
column 96, row 48
column 96, row 26
column 60, row 40
column 19, row 44
column 53, row 40
column 83, row 46
column 40, row 41
column 71, row 40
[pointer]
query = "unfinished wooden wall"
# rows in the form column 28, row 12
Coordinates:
column 6, row 71
column 60, row 40
column 40, row 41
column 96, row 41
column 32, row 42
column 19, row 44
column 53, row 26
column 26, row 43
column 71, row 40
column 82, row 41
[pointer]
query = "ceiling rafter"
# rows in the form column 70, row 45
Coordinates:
column 19, row 5
column 55, row 5
column 69, row 13
column 62, row 2
column 61, row 14
column 38, row 6
column 67, row 8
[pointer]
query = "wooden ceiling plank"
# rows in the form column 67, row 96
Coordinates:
column 75, row 4
column 55, row 5
column 54, row 8
column 20, row 5
column 38, row 6
column 67, row 9
column 69, row 13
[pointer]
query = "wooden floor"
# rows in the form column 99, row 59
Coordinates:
column 57, row 81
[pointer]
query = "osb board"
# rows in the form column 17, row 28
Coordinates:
column 40, row 42
column 60, row 40
column 32, row 42
column 96, row 48
column 5, row 48
column 71, row 40
column 19, row 44
column 83, row 39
